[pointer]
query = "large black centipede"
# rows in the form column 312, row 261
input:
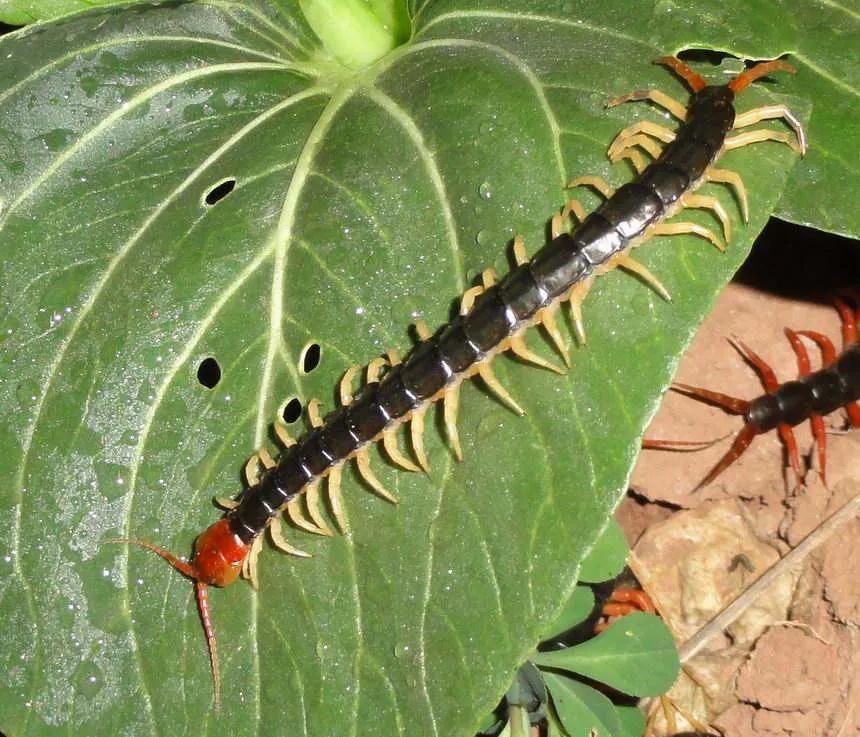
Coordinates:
column 811, row 396
column 493, row 318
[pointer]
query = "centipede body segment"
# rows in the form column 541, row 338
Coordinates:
column 494, row 318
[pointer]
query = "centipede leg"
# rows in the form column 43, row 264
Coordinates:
column 750, row 137
column 849, row 322
column 768, row 377
column 335, row 498
column 658, row 97
column 276, row 534
column 733, row 180
column 688, row 228
column 389, row 442
column 732, row 405
column 362, row 461
column 577, row 296
column 804, row 368
column 640, row 140
column 519, row 249
column 312, row 500
column 636, row 159
column 787, row 436
column 345, row 386
column 547, row 318
column 416, row 432
column 249, row 566
column 739, row 445
column 594, row 182
column 493, row 384
column 451, row 403
column 706, row 202
column 293, row 510
column 640, row 128
column 630, row 264
column 849, row 337
column 772, row 112
column 521, row 350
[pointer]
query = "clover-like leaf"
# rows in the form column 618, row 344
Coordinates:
column 635, row 655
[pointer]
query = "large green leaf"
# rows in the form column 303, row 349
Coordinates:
column 362, row 202
column 823, row 189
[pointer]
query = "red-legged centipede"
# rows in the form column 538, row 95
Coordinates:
column 811, row 396
column 492, row 320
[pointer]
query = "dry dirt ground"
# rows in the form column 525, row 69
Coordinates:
column 789, row 666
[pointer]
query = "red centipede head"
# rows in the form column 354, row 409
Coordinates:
column 218, row 554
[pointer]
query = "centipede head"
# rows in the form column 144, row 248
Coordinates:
column 217, row 561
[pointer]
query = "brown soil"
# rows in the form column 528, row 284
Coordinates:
column 789, row 666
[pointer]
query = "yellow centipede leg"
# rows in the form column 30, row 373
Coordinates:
column 577, row 296
column 389, row 442
column 657, row 97
column 688, row 227
column 225, row 503
column 374, row 369
column 706, row 202
column 312, row 499
column 745, row 139
column 520, row 255
column 597, row 183
column 249, row 566
column 422, row 330
column 772, row 112
column 634, row 157
column 575, row 208
column 416, row 432
column 467, row 301
column 294, row 511
column 314, row 413
column 642, row 271
column 520, row 349
column 641, row 140
column 335, row 498
column 283, row 435
column 451, row 402
column 252, row 470
column 642, row 127
column 489, row 378
column 362, row 460
column 733, row 179
column 346, row 383
column 266, row 458
column 276, row 533
column 547, row 318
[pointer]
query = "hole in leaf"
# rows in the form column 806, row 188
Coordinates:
column 311, row 357
column 292, row 411
column 219, row 191
column 209, row 373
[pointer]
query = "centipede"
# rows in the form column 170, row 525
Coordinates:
column 783, row 406
column 493, row 318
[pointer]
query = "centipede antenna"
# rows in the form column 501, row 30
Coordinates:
column 185, row 568
column 694, row 81
column 748, row 76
